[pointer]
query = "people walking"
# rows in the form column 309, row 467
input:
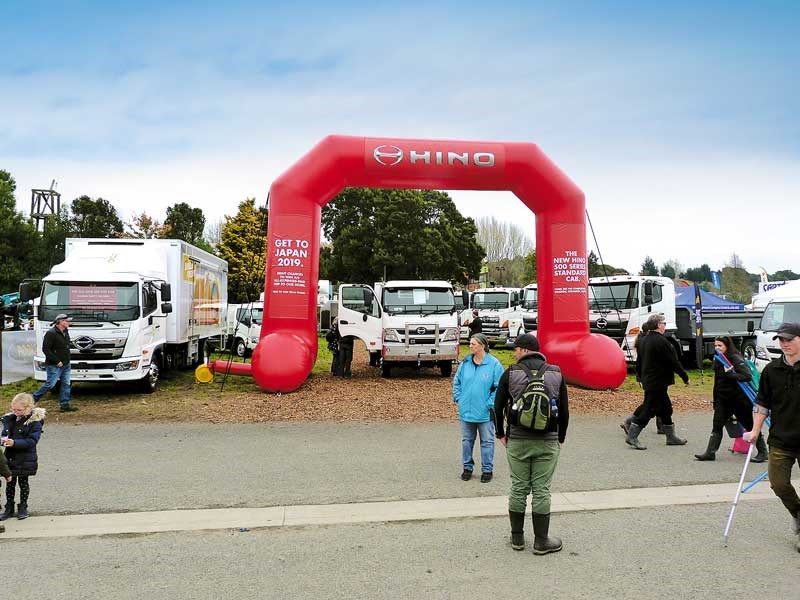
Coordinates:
column 22, row 428
column 474, row 388
column 55, row 346
column 656, row 368
column 475, row 325
column 730, row 399
column 779, row 398
column 532, row 454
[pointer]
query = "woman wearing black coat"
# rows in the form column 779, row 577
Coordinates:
column 22, row 428
column 730, row 399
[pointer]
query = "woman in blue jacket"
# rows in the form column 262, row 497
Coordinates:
column 473, row 390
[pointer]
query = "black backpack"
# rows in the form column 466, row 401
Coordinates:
column 534, row 408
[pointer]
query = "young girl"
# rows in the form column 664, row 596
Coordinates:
column 22, row 428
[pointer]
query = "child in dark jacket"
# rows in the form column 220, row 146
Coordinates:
column 22, row 428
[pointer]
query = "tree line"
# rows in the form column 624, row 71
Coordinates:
column 369, row 235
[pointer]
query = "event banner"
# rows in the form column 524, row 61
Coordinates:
column 16, row 355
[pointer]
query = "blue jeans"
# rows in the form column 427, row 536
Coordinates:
column 469, row 432
column 54, row 375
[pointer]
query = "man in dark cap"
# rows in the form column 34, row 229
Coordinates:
column 55, row 347
column 532, row 455
column 779, row 396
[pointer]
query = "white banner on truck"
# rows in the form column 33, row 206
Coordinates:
column 17, row 349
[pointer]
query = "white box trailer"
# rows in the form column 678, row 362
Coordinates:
column 138, row 307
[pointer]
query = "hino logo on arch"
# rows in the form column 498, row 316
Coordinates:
column 388, row 156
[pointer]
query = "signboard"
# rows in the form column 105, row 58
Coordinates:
column 17, row 349
column 289, row 267
column 570, row 273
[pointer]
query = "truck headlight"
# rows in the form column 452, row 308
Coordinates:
column 390, row 335
column 761, row 352
column 131, row 365
column 450, row 335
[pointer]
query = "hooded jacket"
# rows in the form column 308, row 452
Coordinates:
column 474, row 387
column 22, row 457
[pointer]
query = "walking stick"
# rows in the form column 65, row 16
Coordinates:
column 736, row 497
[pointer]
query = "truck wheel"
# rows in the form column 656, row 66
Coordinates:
column 749, row 350
column 239, row 348
column 386, row 370
column 149, row 383
column 446, row 368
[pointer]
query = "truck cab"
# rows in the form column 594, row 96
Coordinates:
column 501, row 313
column 243, row 327
column 619, row 305
column 410, row 323
column 779, row 310
column 530, row 307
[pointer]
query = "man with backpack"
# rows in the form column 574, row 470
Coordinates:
column 531, row 420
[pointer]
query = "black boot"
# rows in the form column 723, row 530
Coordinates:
column 672, row 439
column 517, row 530
column 762, row 454
column 22, row 511
column 633, row 437
column 713, row 445
column 9, row 511
column 626, row 424
column 660, row 426
column 542, row 543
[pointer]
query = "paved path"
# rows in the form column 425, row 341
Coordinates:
column 364, row 512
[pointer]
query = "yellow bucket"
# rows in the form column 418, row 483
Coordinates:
column 203, row 374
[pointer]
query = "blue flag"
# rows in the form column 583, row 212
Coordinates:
column 715, row 281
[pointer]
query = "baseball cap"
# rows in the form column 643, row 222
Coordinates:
column 62, row 317
column 527, row 341
column 787, row 331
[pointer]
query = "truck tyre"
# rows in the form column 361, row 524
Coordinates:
column 149, row 383
column 446, row 367
column 749, row 350
column 239, row 348
column 386, row 370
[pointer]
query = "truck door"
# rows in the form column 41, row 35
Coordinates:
column 360, row 315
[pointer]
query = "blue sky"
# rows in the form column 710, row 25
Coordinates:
column 678, row 121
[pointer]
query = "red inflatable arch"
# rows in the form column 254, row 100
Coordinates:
column 287, row 349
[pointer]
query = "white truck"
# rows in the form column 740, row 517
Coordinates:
column 619, row 306
column 501, row 313
column 779, row 310
column 138, row 307
column 530, row 307
column 243, row 327
column 409, row 323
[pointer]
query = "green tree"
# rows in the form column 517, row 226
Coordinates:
column 242, row 243
column 94, row 219
column 736, row 283
column 399, row 234
column 648, row 267
column 784, row 275
column 185, row 223
column 698, row 274
column 17, row 237
column 530, row 267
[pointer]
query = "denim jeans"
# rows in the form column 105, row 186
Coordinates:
column 469, row 432
column 54, row 375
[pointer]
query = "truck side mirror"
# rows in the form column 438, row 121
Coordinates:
column 648, row 292
column 166, row 307
column 166, row 292
column 465, row 298
column 751, row 327
column 25, row 292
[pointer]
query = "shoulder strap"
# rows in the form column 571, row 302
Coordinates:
column 528, row 372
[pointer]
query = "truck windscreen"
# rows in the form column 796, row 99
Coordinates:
column 90, row 301
column 428, row 301
column 780, row 312
column 489, row 300
column 613, row 295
